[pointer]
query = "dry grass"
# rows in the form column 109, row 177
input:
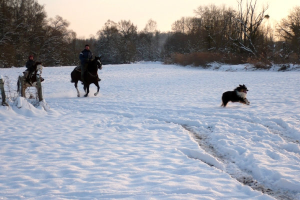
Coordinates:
column 202, row 59
column 259, row 63
column 280, row 58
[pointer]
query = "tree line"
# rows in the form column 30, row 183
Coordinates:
column 214, row 34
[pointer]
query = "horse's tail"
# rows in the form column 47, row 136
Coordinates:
column 72, row 78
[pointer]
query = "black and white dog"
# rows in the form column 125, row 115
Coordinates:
column 239, row 94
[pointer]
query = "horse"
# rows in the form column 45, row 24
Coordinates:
column 32, row 80
column 90, row 76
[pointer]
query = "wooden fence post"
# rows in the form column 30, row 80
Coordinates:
column 39, row 87
column 21, row 86
column 3, row 92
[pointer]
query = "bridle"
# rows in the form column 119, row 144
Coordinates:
column 99, row 64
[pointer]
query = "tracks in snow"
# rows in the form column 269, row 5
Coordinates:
column 232, row 169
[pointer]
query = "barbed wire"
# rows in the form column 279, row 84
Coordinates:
column 31, row 93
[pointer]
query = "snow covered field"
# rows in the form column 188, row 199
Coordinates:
column 154, row 132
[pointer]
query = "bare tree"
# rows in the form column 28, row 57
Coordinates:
column 21, row 22
column 108, row 43
column 184, row 25
column 128, row 32
column 55, row 42
column 289, row 30
column 216, row 25
column 247, row 24
column 151, row 26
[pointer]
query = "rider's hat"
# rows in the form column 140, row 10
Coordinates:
column 87, row 45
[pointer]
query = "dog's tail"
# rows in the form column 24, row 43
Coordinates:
column 222, row 105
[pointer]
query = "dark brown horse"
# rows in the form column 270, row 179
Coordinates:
column 90, row 76
column 37, row 70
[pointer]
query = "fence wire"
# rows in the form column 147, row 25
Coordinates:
column 31, row 93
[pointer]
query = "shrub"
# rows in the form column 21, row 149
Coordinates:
column 259, row 63
column 204, row 58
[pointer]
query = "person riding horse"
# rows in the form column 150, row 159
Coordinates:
column 91, row 76
column 30, row 68
column 85, row 56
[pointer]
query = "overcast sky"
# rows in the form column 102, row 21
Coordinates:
column 89, row 16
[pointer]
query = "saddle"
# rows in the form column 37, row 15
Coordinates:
column 29, row 76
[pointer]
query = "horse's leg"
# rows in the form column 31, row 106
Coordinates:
column 87, row 90
column 98, row 88
column 78, row 93
column 23, row 89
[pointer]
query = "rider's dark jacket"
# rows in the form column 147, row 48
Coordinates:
column 29, row 65
column 85, row 56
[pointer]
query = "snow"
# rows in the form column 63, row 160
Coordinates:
column 153, row 132
column 250, row 67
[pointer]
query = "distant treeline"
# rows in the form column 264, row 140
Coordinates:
column 218, row 34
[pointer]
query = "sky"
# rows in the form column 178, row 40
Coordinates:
column 88, row 17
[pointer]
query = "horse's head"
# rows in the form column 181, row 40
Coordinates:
column 38, row 67
column 94, row 65
column 98, row 61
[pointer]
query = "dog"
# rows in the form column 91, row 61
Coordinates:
column 239, row 94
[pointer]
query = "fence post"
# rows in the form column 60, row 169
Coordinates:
column 3, row 92
column 21, row 86
column 39, row 87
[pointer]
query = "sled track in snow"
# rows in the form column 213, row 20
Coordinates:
column 271, row 129
column 230, row 167
column 243, row 177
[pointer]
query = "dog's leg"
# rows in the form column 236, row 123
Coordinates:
column 245, row 101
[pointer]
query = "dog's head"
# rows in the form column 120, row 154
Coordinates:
column 241, row 91
column 242, row 88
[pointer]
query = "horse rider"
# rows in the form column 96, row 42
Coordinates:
column 85, row 56
column 30, row 69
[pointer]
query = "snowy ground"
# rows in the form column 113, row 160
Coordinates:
column 154, row 132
